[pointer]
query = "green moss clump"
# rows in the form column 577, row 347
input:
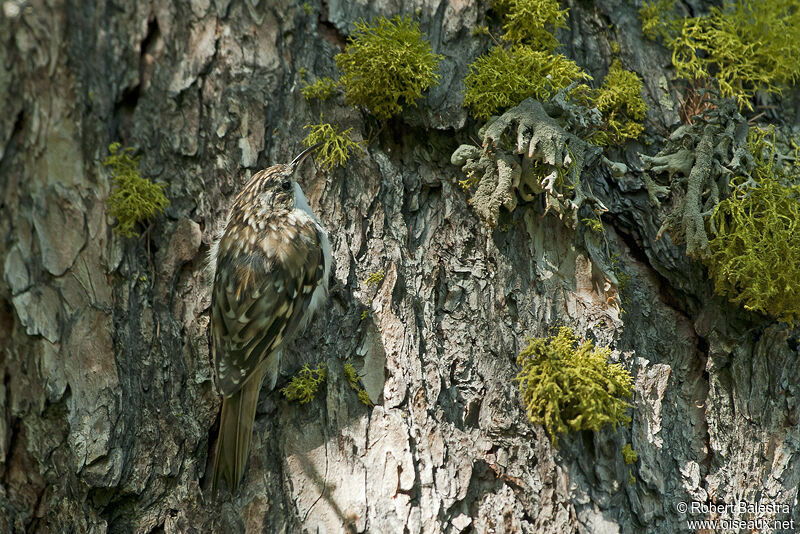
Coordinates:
column 526, row 66
column 304, row 386
column 570, row 386
column 595, row 225
column 133, row 199
column 336, row 146
column 504, row 77
column 384, row 62
column 322, row 89
column 746, row 46
column 628, row 454
column 375, row 278
column 351, row 375
column 620, row 101
column 532, row 22
column 363, row 396
column 755, row 244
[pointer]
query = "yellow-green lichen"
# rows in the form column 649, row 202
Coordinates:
column 353, row 380
column 567, row 385
column 480, row 30
column 525, row 65
column 504, row 77
column 746, row 46
column 321, row 89
column 623, row 281
column 628, row 454
column 658, row 19
column 531, row 22
column 755, row 234
column 594, row 224
column 304, row 386
column 336, row 148
column 375, row 278
column 133, row 199
column 384, row 62
column 620, row 101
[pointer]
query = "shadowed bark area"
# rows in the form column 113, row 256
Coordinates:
column 108, row 410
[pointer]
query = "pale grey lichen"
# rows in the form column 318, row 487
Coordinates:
column 699, row 160
column 532, row 148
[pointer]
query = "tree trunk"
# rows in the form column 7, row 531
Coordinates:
column 108, row 409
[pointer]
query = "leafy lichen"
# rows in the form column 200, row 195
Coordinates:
column 504, row 77
column 567, row 385
column 699, row 159
column 755, row 246
column 133, row 199
column 384, row 62
column 336, row 147
column 304, row 386
column 321, row 89
column 526, row 152
column 547, row 112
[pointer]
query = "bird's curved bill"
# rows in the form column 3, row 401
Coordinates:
column 303, row 155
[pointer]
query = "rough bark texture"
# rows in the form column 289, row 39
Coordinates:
column 107, row 404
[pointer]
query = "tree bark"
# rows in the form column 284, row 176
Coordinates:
column 107, row 403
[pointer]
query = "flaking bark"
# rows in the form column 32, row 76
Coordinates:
column 107, row 406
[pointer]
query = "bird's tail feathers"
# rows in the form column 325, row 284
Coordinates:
column 235, row 431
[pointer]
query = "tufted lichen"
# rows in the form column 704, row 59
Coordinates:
column 304, row 386
column 532, row 22
column 336, row 148
column 745, row 46
column 133, row 199
column 755, row 249
column 384, row 62
column 567, row 385
column 504, row 77
column 658, row 19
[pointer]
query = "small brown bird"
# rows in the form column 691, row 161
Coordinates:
column 271, row 270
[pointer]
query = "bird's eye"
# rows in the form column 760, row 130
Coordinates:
column 286, row 185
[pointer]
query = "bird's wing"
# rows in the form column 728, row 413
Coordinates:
column 260, row 297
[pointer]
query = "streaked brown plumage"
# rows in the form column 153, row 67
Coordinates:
column 271, row 270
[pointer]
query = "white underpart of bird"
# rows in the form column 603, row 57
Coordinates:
column 321, row 293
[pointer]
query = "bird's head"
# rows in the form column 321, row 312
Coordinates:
column 275, row 188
